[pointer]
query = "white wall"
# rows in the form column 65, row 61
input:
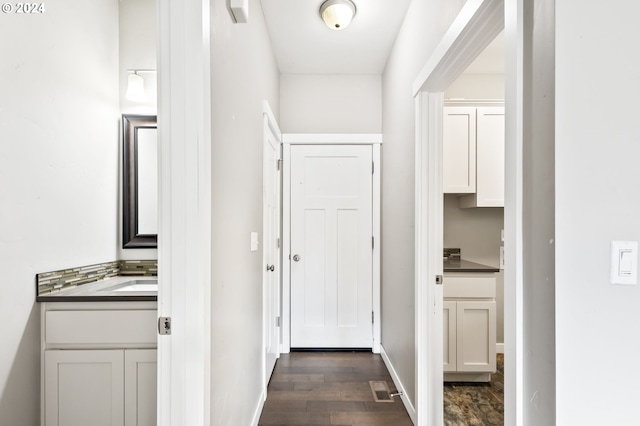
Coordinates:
column 331, row 103
column 137, row 41
column 477, row 86
column 597, row 147
column 244, row 73
column 58, row 170
column 423, row 28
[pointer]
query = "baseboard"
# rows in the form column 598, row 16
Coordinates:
column 499, row 348
column 396, row 380
column 258, row 412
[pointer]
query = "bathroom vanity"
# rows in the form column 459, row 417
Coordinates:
column 469, row 319
column 98, row 357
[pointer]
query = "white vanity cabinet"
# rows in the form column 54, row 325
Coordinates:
column 473, row 155
column 469, row 326
column 99, row 363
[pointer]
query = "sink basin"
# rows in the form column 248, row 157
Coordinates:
column 138, row 287
column 134, row 285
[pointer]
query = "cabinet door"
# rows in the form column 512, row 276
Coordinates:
column 490, row 157
column 140, row 387
column 84, row 387
column 476, row 327
column 459, row 150
column 449, row 322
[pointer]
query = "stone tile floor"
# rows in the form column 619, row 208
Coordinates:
column 471, row 404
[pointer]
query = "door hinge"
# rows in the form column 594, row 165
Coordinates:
column 373, row 242
column 277, row 321
column 278, row 242
column 373, row 168
column 372, row 317
column 164, row 325
column 439, row 279
column 279, row 165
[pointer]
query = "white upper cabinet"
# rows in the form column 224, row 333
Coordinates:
column 479, row 159
column 459, row 150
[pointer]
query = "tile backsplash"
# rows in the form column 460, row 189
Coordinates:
column 451, row 254
column 48, row 282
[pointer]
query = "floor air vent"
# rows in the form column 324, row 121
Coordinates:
column 380, row 391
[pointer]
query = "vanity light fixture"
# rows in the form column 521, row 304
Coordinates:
column 337, row 14
column 135, row 86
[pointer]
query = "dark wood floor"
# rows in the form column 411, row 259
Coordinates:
column 330, row 388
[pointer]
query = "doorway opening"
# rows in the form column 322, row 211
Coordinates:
column 473, row 235
column 476, row 26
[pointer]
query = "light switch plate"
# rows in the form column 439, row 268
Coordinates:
column 624, row 262
column 254, row 241
column 239, row 10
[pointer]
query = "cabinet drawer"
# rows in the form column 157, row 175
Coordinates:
column 462, row 285
column 101, row 327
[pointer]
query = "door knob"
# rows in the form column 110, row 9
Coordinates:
column 271, row 268
column 296, row 258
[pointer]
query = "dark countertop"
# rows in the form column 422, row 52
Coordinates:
column 461, row 265
column 103, row 291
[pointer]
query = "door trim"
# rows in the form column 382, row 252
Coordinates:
column 184, row 243
column 375, row 140
column 473, row 29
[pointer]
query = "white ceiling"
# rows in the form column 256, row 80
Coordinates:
column 304, row 45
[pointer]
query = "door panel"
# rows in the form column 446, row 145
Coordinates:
column 271, row 250
column 331, row 231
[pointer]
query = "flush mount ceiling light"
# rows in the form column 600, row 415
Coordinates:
column 337, row 14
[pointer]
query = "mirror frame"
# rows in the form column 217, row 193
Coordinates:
column 131, row 123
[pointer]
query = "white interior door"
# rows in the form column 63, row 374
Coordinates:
column 271, row 251
column 331, row 246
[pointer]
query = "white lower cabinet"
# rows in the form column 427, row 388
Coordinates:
column 100, row 377
column 84, row 388
column 469, row 322
column 100, row 387
column 140, row 387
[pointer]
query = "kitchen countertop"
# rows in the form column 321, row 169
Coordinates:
column 102, row 291
column 461, row 265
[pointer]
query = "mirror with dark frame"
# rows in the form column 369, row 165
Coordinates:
column 140, row 181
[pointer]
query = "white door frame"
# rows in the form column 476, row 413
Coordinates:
column 184, row 231
column 474, row 28
column 375, row 140
column 270, row 128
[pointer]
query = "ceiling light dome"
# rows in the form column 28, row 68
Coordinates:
column 337, row 14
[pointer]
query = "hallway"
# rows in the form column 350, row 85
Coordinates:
column 330, row 388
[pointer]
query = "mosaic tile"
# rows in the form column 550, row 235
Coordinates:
column 48, row 282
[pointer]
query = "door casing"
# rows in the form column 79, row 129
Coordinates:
column 375, row 140
column 475, row 27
